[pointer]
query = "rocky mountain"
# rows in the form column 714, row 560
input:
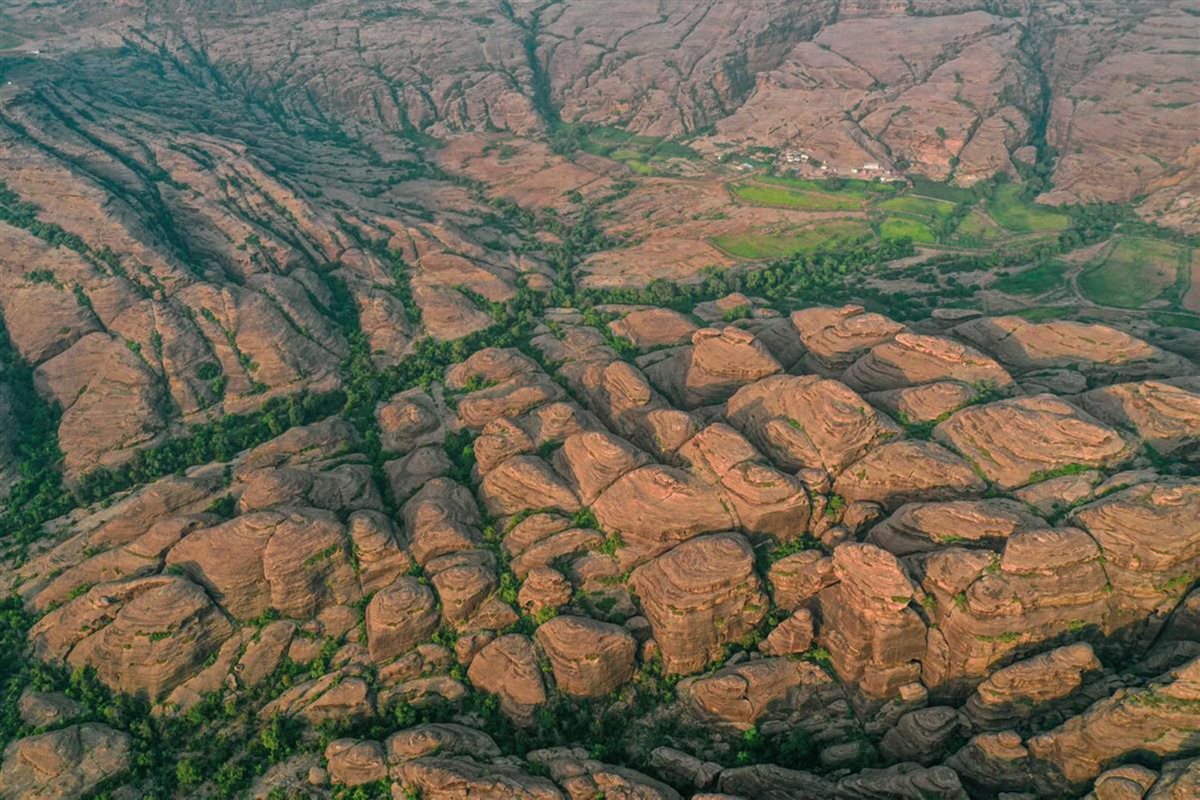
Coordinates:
column 691, row 399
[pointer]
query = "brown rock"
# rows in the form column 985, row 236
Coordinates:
column 921, row 527
column 525, row 483
column 836, row 337
column 718, row 363
column 798, row 578
column 353, row 762
column 1019, row 441
column 906, row 471
column 652, row 328
column 145, row 635
column 792, row 636
column 1012, row 694
column 508, row 668
column 593, row 461
column 1098, row 350
column 923, row 736
column 655, row 507
column 408, row 421
column 874, row 637
column 589, row 658
column 400, row 617
column 1166, row 417
column 543, row 589
column 700, row 596
column 67, row 763
column 911, row 359
column 806, row 421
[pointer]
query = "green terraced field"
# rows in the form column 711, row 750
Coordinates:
column 757, row 245
column 918, row 206
column 1015, row 214
column 784, row 197
column 1135, row 272
column 903, row 227
column 1034, row 281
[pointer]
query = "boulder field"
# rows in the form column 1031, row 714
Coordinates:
column 727, row 548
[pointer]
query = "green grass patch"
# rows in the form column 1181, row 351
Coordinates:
column 766, row 195
column 894, row 228
column 1036, row 280
column 1043, row 313
column 760, row 244
column 942, row 191
column 1173, row 320
column 1136, row 271
column 976, row 230
column 1009, row 207
column 644, row 155
column 918, row 206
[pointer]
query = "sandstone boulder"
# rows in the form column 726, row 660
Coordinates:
column 718, row 363
column 589, row 658
column 806, row 421
column 907, row 471
column 67, row 763
column 1026, row 439
column 400, row 617
column 508, row 668
column 921, row 527
column 700, row 596
column 1165, row 417
column 911, row 359
column 836, row 337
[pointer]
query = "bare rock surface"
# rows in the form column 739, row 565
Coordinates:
column 1026, row 439
column 698, row 597
column 589, row 658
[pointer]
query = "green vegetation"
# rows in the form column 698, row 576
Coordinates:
column 1036, row 280
column 903, row 228
column 645, row 155
column 1136, row 271
column 918, row 206
column 769, row 244
column 759, row 193
column 1009, row 206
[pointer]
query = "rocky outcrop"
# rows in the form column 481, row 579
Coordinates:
column 700, row 596
column 1165, row 417
column 589, row 658
column 1014, row 693
column 718, row 363
column 1099, row 351
column 508, row 668
column 400, row 617
column 67, row 763
column 906, row 471
column 763, row 691
column 808, row 422
column 142, row 636
column 837, row 337
column 911, row 359
column 1027, row 439
column 874, row 637
column 924, row 527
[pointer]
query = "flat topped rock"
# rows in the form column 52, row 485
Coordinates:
column 1019, row 441
column 1026, row 346
column 654, row 327
column 906, row 471
column 807, row 421
column 911, row 359
column 835, row 337
column 920, row 527
column 589, row 658
column 1166, row 417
